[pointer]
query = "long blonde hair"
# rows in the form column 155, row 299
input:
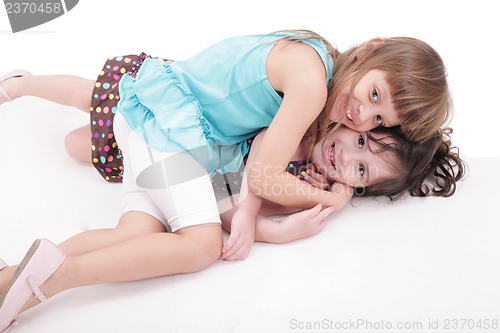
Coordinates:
column 414, row 71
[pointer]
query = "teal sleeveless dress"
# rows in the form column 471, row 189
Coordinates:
column 209, row 104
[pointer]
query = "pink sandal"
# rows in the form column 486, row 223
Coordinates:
column 15, row 73
column 2, row 264
column 41, row 261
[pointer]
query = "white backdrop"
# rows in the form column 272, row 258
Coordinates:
column 415, row 260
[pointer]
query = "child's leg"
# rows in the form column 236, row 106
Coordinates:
column 157, row 254
column 78, row 144
column 63, row 89
column 131, row 224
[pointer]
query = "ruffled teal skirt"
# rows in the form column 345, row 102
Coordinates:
column 170, row 118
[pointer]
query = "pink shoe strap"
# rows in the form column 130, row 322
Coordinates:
column 38, row 293
column 3, row 264
column 14, row 73
column 4, row 93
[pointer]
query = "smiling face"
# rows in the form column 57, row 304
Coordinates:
column 350, row 157
column 371, row 104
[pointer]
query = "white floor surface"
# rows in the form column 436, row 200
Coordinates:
column 412, row 262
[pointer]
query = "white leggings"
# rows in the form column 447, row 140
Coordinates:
column 151, row 183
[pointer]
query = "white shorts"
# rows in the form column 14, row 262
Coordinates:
column 155, row 182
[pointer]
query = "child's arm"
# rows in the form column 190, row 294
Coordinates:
column 242, row 228
column 243, row 221
column 316, row 179
column 297, row 71
column 247, row 225
column 298, row 225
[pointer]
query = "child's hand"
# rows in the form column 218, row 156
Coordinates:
column 305, row 223
column 241, row 239
column 342, row 189
column 316, row 179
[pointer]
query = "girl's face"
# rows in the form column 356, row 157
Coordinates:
column 371, row 104
column 345, row 157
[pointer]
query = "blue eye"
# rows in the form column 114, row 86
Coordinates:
column 361, row 169
column 361, row 141
column 375, row 95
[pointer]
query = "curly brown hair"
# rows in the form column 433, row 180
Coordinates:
column 430, row 168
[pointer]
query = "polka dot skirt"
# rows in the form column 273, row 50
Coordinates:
column 106, row 155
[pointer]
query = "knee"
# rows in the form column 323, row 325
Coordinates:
column 213, row 248
column 208, row 253
column 77, row 145
column 207, row 249
column 69, row 144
